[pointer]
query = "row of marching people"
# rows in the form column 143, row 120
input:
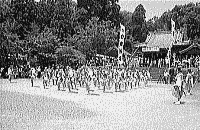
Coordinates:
column 89, row 77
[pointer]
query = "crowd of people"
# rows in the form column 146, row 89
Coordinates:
column 65, row 77
column 183, row 86
column 91, row 77
column 184, row 61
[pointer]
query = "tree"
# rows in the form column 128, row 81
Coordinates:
column 97, row 37
column 139, row 24
column 186, row 17
column 103, row 9
column 45, row 42
column 8, row 48
column 126, row 20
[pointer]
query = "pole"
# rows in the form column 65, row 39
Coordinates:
column 169, row 56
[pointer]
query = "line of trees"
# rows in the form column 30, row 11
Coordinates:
column 186, row 17
column 42, row 28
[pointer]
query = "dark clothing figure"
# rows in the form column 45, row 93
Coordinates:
column 171, row 74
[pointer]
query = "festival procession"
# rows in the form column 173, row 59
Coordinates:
column 73, row 47
column 119, row 76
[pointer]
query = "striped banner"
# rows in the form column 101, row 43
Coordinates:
column 121, row 44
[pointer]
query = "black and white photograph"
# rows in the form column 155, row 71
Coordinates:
column 99, row 65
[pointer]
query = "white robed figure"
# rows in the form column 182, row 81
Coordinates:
column 9, row 73
column 33, row 75
column 61, row 79
column 189, row 82
column 91, row 79
column 178, row 87
column 71, row 75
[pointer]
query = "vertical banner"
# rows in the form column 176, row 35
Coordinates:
column 121, row 44
column 174, row 58
column 173, row 30
column 179, row 36
column 174, row 40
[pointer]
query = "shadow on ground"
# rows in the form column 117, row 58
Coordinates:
column 23, row 111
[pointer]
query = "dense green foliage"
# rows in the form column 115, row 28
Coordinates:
column 87, row 27
column 103, row 9
column 186, row 17
column 31, row 28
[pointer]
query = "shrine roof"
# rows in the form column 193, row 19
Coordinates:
column 161, row 40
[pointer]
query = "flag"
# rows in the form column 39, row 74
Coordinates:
column 122, row 30
column 180, row 36
column 169, row 52
column 173, row 25
column 121, row 44
column 173, row 28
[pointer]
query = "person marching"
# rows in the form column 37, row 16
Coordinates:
column 129, row 79
column 61, row 78
column 112, row 81
column 104, row 78
column 166, row 76
column 83, row 74
column 54, row 73
column 87, row 79
column 70, row 76
column 116, row 75
column 189, row 82
column 95, row 77
column 9, row 73
column 66, row 79
column 38, row 72
column 137, row 78
column 99, row 78
column 49, row 74
column 141, row 73
column 146, row 78
column 93, row 80
column 178, row 88
column 124, row 79
column 75, row 79
column 79, row 77
column 45, row 79
column 133, row 80
column 33, row 75
column 120, row 78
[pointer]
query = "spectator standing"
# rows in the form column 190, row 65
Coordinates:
column 45, row 79
column 179, row 86
column 166, row 76
column 10, row 69
column 33, row 75
column 38, row 72
column 189, row 82
column 1, row 72
column 171, row 74
column 20, row 72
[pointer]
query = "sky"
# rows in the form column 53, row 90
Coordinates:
column 152, row 7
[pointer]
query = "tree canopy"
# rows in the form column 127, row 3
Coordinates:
column 35, row 28
column 186, row 17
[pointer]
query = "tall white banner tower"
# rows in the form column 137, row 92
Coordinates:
column 173, row 30
column 121, row 44
column 174, row 40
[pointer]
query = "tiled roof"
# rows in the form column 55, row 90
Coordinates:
column 161, row 40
